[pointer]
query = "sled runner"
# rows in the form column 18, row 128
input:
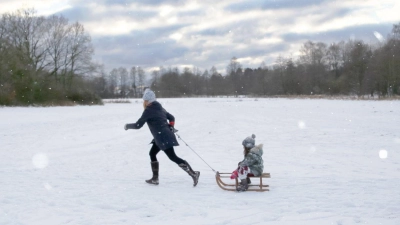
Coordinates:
column 232, row 187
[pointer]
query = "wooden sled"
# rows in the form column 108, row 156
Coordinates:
column 232, row 187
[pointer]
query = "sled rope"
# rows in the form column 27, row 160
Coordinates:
column 195, row 153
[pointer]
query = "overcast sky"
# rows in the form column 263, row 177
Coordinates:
column 206, row 33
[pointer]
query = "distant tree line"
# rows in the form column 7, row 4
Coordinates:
column 44, row 60
column 121, row 83
column 350, row 67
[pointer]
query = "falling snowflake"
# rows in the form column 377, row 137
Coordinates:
column 383, row 154
column 301, row 124
column 379, row 36
column 48, row 186
column 40, row 160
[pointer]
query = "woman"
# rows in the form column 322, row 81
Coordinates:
column 252, row 164
column 157, row 119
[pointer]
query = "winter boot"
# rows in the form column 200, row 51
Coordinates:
column 243, row 186
column 154, row 168
column 194, row 174
column 248, row 181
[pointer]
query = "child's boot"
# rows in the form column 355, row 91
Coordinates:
column 243, row 186
column 248, row 180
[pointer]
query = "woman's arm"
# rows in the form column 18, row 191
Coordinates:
column 139, row 124
column 171, row 121
column 170, row 118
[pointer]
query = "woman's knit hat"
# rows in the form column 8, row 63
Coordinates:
column 249, row 142
column 149, row 95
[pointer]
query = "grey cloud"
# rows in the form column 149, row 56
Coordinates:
column 330, row 14
column 209, row 32
column 145, row 55
column 143, row 2
column 222, row 55
column 245, row 27
column 364, row 33
column 326, row 14
column 191, row 13
column 137, row 49
column 271, row 4
column 77, row 14
column 116, row 2
column 256, row 51
column 84, row 13
column 154, row 34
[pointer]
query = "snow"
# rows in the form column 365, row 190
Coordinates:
column 331, row 162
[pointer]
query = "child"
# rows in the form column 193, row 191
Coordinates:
column 252, row 164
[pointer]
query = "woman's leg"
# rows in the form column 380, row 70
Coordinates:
column 170, row 152
column 153, row 152
column 154, row 164
column 183, row 164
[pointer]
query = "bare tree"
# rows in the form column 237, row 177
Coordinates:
column 233, row 66
column 56, row 46
column 396, row 31
column 155, row 80
column 263, row 66
column 313, row 59
column 113, row 82
column 213, row 71
column 234, row 72
column 357, row 54
column 279, row 67
column 80, row 52
column 100, row 82
column 141, row 79
column 206, row 84
column 25, row 31
column 313, row 53
column 133, row 80
column 217, row 85
column 334, row 58
column 187, row 80
column 123, row 79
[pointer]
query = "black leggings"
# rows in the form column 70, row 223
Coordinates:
column 169, row 152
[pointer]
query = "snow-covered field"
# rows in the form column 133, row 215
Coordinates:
column 331, row 161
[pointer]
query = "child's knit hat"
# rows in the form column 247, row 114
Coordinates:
column 249, row 142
